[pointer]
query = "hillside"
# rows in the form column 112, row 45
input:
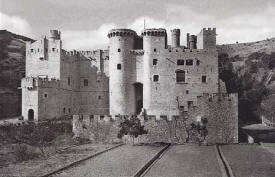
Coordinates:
column 12, row 69
column 248, row 68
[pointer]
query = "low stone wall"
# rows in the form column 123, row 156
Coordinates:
column 221, row 111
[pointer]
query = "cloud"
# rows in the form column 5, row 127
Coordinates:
column 15, row 24
column 87, row 39
column 244, row 27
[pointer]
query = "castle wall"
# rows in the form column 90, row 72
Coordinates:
column 166, row 94
column 221, row 112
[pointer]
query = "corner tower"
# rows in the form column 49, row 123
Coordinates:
column 207, row 39
column 175, row 34
column 154, row 43
column 121, row 69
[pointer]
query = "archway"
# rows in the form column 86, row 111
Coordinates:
column 138, row 97
column 31, row 115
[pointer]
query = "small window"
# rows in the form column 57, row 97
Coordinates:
column 64, row 110
column 31, row 50
column 69, row 110
column 203, row 79
column 189, row 62
column 155, row 49
column 45, row 95
column 187, row 91
column 155, row 62
column 118, row 50
column 37, row 50
column 180, row 62
column 198, row 62
column 53, row 49
column 101, row 117
column 118, row 66
column 69, row 80
column 41, row 58
column 86, row 82
column 180, row 76
column 99, row 97
column 156, row 78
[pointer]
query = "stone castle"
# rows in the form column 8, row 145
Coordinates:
column 137, row 74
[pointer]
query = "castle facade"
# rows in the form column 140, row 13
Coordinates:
column 138, row 72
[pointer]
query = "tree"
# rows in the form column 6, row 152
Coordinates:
column 131, row 127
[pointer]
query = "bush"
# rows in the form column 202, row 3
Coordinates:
column 22, row 153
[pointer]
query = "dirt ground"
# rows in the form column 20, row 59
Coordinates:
column 250, row 160
column 41, row 166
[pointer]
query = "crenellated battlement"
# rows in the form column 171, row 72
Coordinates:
column 55, row 34
column 121, row 32
column 46, row 82
column 154, row 32
column 175, row 31
column 137, row 52
column 209, row 30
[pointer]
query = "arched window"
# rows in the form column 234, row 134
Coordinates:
column 180, row 76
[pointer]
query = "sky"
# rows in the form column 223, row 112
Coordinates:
column 84, row 24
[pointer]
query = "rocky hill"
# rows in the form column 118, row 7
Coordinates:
column 12, row 69
column 248, row 68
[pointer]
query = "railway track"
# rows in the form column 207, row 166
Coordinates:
column 226, row 170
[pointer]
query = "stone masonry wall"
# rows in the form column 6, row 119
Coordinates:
column 221, row 111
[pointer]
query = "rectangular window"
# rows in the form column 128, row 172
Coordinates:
column 155, row 62
column 180, row 62
column 45, row 95
column 118, row 66
column 156, row 78
column 187, row 91
column 180, row 76
column 190, row 104
column 101, row 117
column 203, row 79
column 86, row 82
column 189, row 62
column 69, row 80
column 53, row 49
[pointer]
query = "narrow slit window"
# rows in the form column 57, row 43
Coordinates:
column 203, row 79
column 155, row 49
column 155, row 62
column 118, row 50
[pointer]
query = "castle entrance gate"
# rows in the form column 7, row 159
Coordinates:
column 30, row 115
column 138, row 97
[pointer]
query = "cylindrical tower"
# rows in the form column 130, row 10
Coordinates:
column 175, row 35
column 121, row 88
column 154, row 41
column 55, row 34
column 193, row 42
